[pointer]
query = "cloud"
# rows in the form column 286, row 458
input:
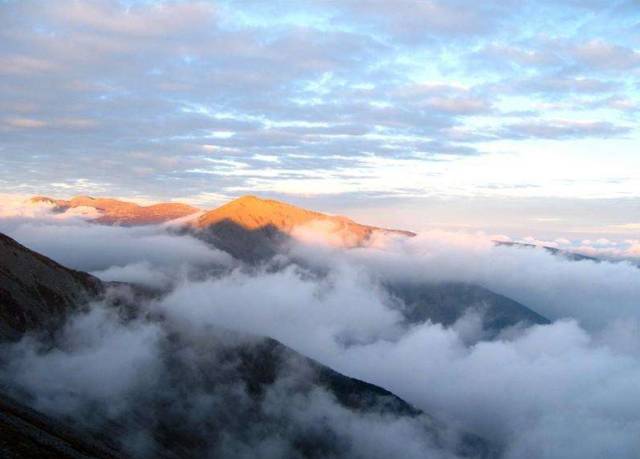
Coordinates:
column 543, row 390
column 99, row 360
column 169, row 389
column 433, row 19
column 564, row 129
column 135, row 254
column 25, row 123
column 146, row 21
column 592, row 293
column 113, row 92
column 607, row 56
column 565, row 388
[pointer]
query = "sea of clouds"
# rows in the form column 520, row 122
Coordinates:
column 564, row 390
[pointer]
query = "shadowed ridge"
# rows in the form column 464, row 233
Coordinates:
column 117, row 212
column 246, row 244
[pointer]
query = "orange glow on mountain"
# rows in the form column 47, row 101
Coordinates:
column 252, row 213
column 247, row 212
column 114, row 211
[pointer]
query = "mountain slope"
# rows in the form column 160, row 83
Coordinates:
column 251, row 228
column 35, row 291
column 218, row 395
column 445, row 303
column 27, row 433
column 116, row 212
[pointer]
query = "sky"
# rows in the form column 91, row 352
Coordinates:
column 517, row 117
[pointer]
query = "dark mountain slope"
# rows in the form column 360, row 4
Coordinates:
column 36, row 292
column 445, row 303
column 25, row 433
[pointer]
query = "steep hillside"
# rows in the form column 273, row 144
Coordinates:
column 445, row 303
column 35, row 291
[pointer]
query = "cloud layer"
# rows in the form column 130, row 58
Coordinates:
column 566, row 389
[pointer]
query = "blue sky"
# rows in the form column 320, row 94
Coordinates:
column 511, row 116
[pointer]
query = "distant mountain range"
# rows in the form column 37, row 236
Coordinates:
column 116, row 212
column 569, row 255
column 250, row 212
column 249, row 228
column 253, row 230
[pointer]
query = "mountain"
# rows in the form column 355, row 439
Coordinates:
column 445, row 303
column 36, row 292
column 253, row 213
column 26, row 433
column 249, row 228
column 569, row 255
column 116, row 212
column 252, row 229
column 211, row 395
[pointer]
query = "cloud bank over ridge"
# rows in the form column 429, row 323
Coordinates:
column 568, row 388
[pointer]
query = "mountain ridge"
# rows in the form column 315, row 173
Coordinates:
column 249, row 211
column 118, row 212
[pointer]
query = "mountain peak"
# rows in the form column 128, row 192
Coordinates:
column 254, row 213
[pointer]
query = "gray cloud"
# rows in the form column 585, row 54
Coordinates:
column 150, row 255
column 541, row 388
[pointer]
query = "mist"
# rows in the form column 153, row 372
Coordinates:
column 547, row 391
column 151, row 255
column 567, row 389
